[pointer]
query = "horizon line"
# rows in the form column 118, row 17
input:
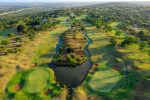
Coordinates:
column 67, row 1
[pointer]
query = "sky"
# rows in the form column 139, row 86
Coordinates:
column 67, row 0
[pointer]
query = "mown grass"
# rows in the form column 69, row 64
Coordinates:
column 104, row 80
column 46, row 48
column 37, row 81
column 114, row 24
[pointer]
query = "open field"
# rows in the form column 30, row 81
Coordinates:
column 29, row 55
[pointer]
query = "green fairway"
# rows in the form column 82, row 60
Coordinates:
column 104, row 80
column 47, row 47
column 114, row 24
column 37, row 81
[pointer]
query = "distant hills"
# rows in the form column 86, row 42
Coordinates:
column 58, row 5
column 50, row 5
column 138, row 3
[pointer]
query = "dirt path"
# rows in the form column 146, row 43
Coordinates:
column 28, row 53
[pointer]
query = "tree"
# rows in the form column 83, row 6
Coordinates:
column 22, row 28
column 140, row 34
column 99, row 23
column 5, row 42
column 129, row 40
column 10, row 35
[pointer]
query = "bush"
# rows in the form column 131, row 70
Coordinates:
column 129, row 40
column 4, row 42
column 11, row 51
column 10, row 35
column 118, row 33
column 18, row 39
column 2, row 46
column 71, row 59
column 19, row 45
column 113, row 41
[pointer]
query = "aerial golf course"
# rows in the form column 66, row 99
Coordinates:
column 75, row 54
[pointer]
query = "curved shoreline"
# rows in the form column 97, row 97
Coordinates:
column 73, row 76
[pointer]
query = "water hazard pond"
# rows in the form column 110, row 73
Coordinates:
column 73, row 76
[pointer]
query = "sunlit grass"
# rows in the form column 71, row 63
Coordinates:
column 104, row 80
column 47, row 47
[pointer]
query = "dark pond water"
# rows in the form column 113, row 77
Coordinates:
column 72, row 76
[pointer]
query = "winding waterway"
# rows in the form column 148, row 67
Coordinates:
column 73, row 76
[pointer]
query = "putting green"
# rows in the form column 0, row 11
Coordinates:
column 37, row 80
column 104, row 80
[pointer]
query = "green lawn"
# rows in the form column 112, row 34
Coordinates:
column 37, row 81
column 114, row 24
column 104, row 80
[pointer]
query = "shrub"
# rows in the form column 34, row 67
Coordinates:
column 11, row 51
column 129, row 40
column 4, row 42
column 19, row 45
column 10, row 35
column 18, row 39
column 113, row 41
column 2, row 46
column 73, row 61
